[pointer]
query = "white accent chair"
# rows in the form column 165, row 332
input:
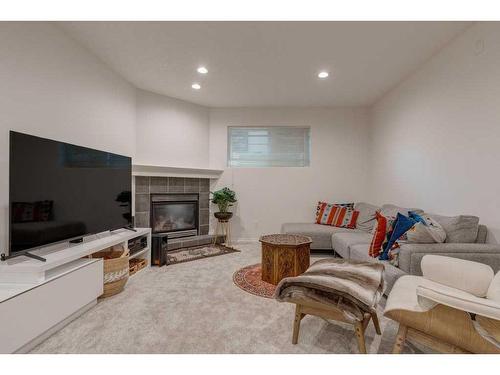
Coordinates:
column 453, row 308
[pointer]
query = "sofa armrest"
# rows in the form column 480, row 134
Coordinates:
column 410, row 254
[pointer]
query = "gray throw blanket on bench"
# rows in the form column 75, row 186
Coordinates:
column 354, row 287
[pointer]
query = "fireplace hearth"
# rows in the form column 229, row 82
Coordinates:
column 175, row 213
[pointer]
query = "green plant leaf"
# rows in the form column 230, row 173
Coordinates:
column 223, row 198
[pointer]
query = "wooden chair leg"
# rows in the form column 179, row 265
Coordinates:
column 360, row 336
column 296, row 324
column 400, row 339
column 366, row 321
column 376, row 323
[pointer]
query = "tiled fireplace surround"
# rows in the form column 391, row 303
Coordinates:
column 144, row 186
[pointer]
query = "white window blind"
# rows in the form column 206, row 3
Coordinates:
column 272, row 146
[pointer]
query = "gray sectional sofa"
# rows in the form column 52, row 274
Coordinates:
column 354, row 243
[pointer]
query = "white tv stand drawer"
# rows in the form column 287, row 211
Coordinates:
column 30, row 314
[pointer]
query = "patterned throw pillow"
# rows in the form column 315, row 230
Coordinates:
column 336, row 215
column 381, row 229
column 426, row 231
column 348, row 205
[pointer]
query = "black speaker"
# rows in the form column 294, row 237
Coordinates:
column 159, row 249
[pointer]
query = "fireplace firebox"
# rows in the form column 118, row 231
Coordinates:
column 175, row 214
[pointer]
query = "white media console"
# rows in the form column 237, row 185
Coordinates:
column 38, row 298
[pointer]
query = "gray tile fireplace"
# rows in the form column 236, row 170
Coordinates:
column 175, row 214
column 156, row 187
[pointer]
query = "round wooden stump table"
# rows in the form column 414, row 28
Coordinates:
column 284, row 255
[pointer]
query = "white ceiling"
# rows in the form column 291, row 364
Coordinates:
column 266, row 63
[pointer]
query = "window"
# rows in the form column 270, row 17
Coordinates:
column 272, row 146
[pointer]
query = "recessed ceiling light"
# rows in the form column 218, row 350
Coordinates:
column 202, row 70
column 196, row 86
column 323, row 74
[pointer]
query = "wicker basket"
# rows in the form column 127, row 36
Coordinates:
column 116, row 269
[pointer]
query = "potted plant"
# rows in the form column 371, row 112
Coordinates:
column 224, row 198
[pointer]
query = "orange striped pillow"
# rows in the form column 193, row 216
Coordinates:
column 383, row 225
column 336, row 215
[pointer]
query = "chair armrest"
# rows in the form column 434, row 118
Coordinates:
column 410, row 254
column 430, row 296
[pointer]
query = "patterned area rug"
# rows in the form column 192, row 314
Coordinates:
column 249, row 279
column 198, row 252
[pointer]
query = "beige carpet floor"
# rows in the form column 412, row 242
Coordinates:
column 194, row 307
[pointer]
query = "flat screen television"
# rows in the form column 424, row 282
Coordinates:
column 61, row 192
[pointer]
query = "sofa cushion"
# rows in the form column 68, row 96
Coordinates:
column 342, row 242
column 321, row 235
column 391, row 275
column 459, row 229
column 366, row 218
column 482, row 234
column 360, row 252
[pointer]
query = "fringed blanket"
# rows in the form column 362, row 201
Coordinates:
column 354, row 287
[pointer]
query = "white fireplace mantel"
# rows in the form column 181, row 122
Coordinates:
column 162, row 171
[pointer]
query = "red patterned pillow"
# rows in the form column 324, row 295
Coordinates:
column 336, row 215
column 382, row 227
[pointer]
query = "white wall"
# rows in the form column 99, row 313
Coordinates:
column 267, row 197
column 52, row 87
column 435, row 139
column 171, row 132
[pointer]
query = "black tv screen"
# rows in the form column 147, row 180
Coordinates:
column 60, row 191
